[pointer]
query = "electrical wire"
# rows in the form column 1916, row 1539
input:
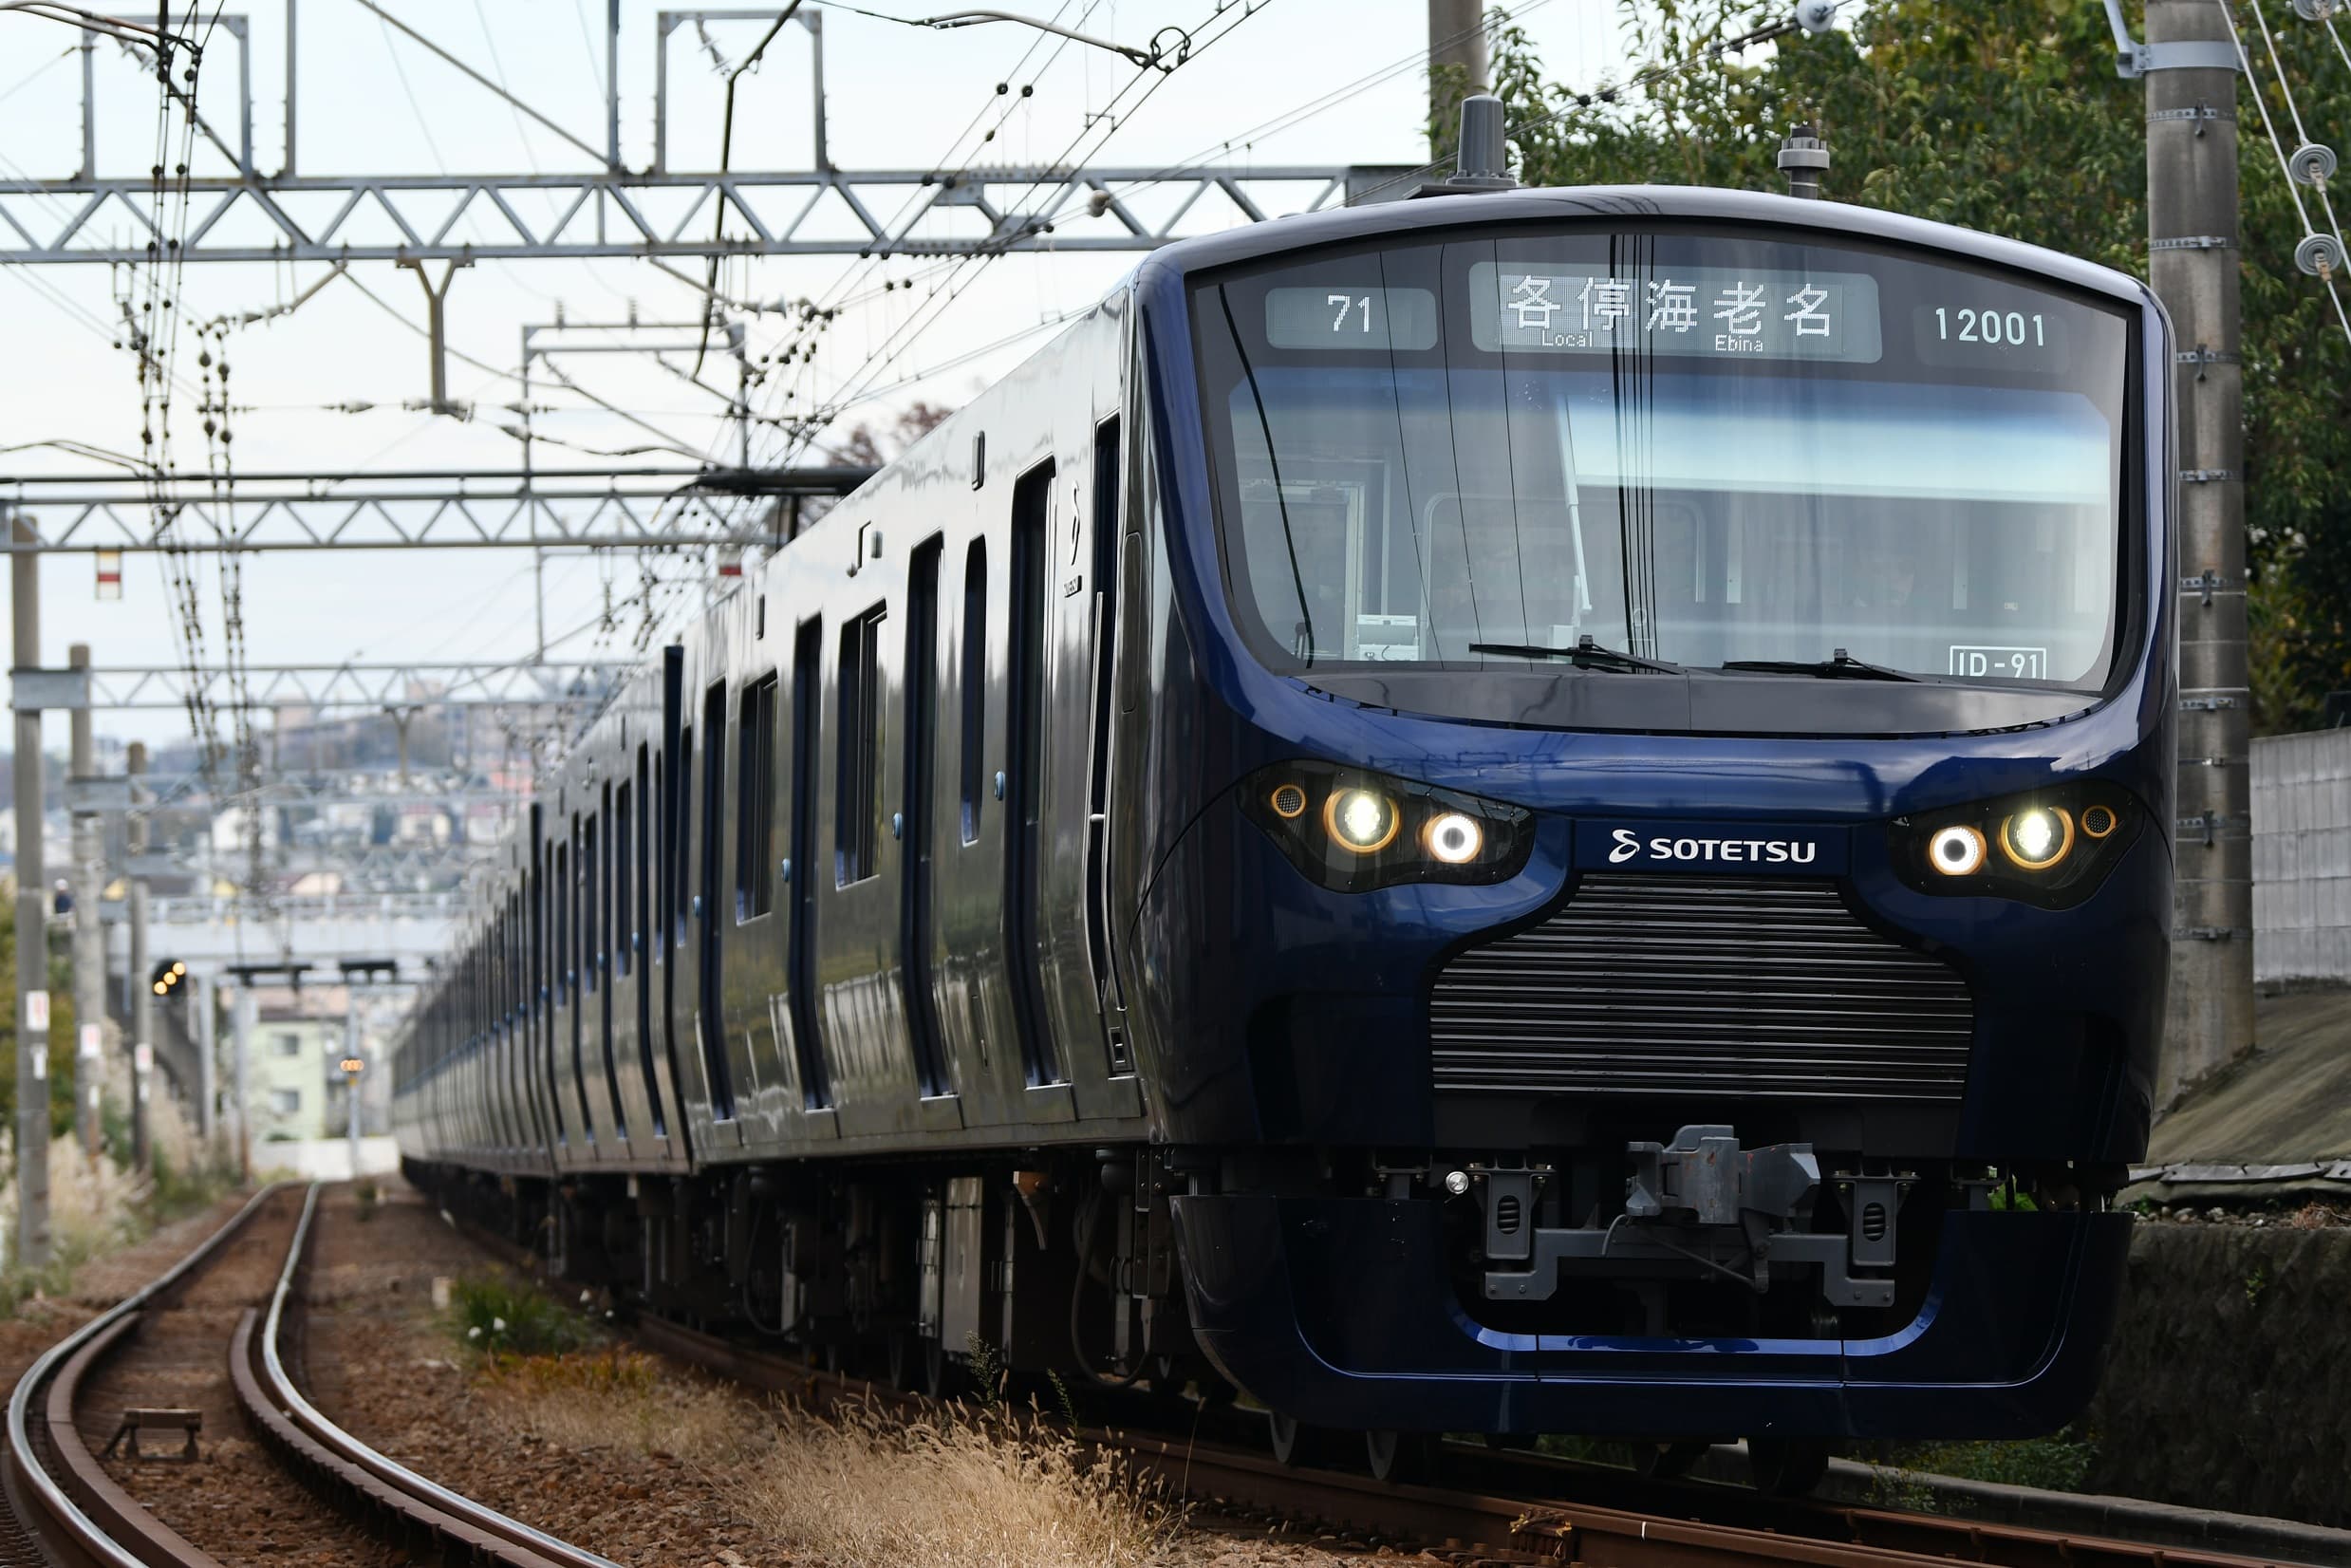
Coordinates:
column 2285, row 169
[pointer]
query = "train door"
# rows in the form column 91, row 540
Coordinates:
column 639, row 942
column 808, row 1047
column 600, row 953
column 712, row 811
column 917, row 862
column 1026, row 693
column 1103, row 519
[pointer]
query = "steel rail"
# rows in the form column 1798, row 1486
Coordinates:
column 467, row 1531
column 1526, row 1513
column 43, row 1503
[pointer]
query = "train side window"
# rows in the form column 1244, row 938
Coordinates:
column 754, row 802
column 713, row 1031
column 681, row 870
column 920, row 729
column 808, row 653
column 601, row 860
column 624, row 880
column 591, row 904
column 972, row 672
column 637, row 918
column 1024, row 763
column 858, row 785
column 562, row 877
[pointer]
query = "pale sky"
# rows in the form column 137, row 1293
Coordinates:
column 371, row 100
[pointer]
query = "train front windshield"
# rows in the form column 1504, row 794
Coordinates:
column 1698, row 449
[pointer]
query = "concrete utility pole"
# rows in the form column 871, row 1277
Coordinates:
column 142, row 988
column 1456, row 38
column 351, row 1073
column 33, row 948
column 242, row 1026
column 202, row 998
column 2191, row 67
column 89, row 936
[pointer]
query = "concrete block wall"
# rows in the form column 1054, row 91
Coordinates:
column 2301, row 857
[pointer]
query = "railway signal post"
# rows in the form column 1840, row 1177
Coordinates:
column 2189, row 62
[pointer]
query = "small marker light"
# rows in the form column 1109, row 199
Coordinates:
column 1362, row 822
column 1288, row 801
column 2098, row 821
column 1453, row 838
column 1956, row 851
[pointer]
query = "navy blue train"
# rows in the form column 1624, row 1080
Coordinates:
column 1543, row 811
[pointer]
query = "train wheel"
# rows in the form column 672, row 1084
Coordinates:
column 1293, row 1443
column 1786, row 1466
column 1401, row 1456
column 1667, row 1460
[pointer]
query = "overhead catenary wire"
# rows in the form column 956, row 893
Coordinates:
column 2285, row 171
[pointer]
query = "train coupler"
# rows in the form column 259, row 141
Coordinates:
column 1700, row 1206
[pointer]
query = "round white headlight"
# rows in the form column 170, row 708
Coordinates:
column 1361, row 821
column 2037, row 837
column 1956, row 851
column 1453, row 838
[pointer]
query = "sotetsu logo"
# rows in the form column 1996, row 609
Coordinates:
column 1779, row 852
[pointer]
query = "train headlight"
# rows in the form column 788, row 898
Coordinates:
column 2037, row 837
column 1956, row 850
column 1454, row 838
column 1361, row 820
column 1353, row 831
column 2054, row 846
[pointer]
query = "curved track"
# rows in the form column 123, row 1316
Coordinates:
column 71, row 1511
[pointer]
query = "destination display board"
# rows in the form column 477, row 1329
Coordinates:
column 1719, row 312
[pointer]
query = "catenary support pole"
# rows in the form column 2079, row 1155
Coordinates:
column 203, row 998
column 242, row 1027
column 142, row 988
column 2191, row 226
column 32, row 948
column 1456, row 38
column 89, row 936
column 351, row 1074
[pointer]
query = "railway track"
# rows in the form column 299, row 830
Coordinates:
column 216, row 1328
column 1523, row 1507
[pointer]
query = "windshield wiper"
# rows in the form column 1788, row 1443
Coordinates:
column 1840, row 666
column 1586, row 655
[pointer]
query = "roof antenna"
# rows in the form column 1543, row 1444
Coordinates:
column 1805, row 158
column 1483, row 164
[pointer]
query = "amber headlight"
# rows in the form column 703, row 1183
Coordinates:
column 1352, row 829
column 2051, row 848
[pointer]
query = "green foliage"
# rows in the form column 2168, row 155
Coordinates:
column 2059, row 1464
column 2005, row 116
column 501, row 1316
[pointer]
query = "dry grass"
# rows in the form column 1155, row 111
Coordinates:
column 962, row 1489
column 619, row 1398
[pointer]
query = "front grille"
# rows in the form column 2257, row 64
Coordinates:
column 1702, row 985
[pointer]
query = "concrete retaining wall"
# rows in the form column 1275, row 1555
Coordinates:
column 2301, row 857
column 2227, row 1384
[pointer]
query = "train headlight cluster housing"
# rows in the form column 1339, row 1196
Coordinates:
column 2051, row 848
column 1352, row 829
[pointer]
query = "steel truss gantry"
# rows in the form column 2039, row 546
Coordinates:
column 609, row 210
column 369, row 689
column 600, row 509
column 664, row 216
